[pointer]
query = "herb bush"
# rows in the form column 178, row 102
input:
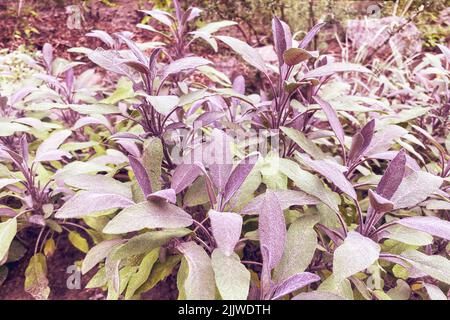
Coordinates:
column 330, row 180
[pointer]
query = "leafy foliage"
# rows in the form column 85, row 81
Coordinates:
column 160, row 174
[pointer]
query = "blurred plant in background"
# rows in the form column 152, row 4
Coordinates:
column 303, row 14
column 16, row 68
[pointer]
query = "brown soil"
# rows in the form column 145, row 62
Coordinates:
column 65, row 256
column 50, row 22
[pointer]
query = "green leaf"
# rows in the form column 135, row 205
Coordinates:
column 79, row 167
column 152, row 160
column 36, row 282
column 215, row 75
column 160, row 271
column 381, row 295
column 148, row 241
column 124, row 276
column 141, row 276
column 148, row 214
column 435, row 266
column 215, row 26
column 333, row 68
column 415, row 188
column 199, row 281
column 182, row 275
column 434, row 292
column 294, row 56
column 307, row 145
column 192, row 96
column 16, row 251
column 84, row 203
column 196, row 194
column 409, row 236
column 246, row 191
column 400, row 292
column 77, row 146
column 124, row 90
column 309, row 183
column 46, row 106
column 438, row 205
column 271, row 174
column 249, row 54
column 78, row 241
column 339, row 287
column 98, row 280
column 8, row 231
column 9, row 128
column 98, row 253
column 49, row 247
column 96, row 183
column 317, row 295
column 405, row 115
column 208, row 38
column 94, row 108
column 163, row 104
column 355, row 254
column 301, row 244
column 232, row 278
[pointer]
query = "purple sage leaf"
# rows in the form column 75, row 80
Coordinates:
column 148, row 214
column 431, row 225
column 393, row 176
column 226, row 228
column 333, row 119
column 293, row 283
column 310, row 35
column 184, row 64
column 286, row 198
column 361, row 141
column 166, row 195
column 279, row 39
column 183, row 176
column 378, row 203
column 238, row 176
column 85, row 203
column 330, row 170
column 272, row 228
column 220, row 159
column 141, row 175
column 47, row 54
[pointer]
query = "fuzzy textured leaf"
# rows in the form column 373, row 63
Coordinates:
column 199, row 283
column 355, row 254
column 301, row 244
column 431, row 225
column 272, row 228
column 226, row 228
column 232, row 278
column 85, row 203
column 8, row 230
column 415, row 188
column 148, row 214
